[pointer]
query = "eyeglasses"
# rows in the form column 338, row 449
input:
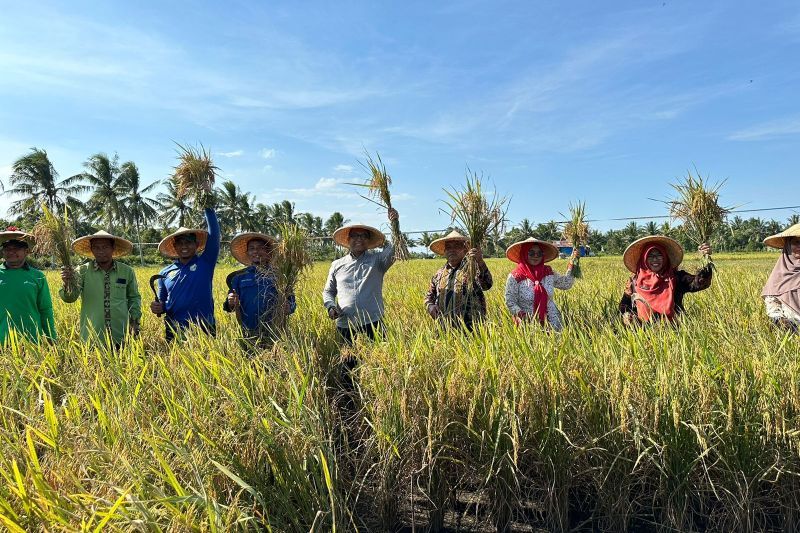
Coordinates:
column 536, row 253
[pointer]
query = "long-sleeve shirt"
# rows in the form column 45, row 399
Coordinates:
column 186, row 289
column 448, row 290
column 258, row 297
column 520, row 295
column 109, row 299
column 25, row 303
column 356, row 285
column 776, row 310
column 684, row 283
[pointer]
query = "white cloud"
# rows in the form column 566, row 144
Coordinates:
column 235, row 153
column 266, row 168
column 768, row 130
column 268, row 153
column 343, row 169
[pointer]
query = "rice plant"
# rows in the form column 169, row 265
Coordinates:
column 292, row 260
column 377, row 185
column 478, row 212
column 54, row 235
column 687, row 427
column 195, row 175
column 576, row 231
column 697, row 207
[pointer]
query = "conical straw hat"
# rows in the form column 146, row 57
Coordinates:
column 83, row 245
column 779, row 239
column 342, row 235
column 549, row 250
column 633, row 253
column 167, row 246
column 438, row 245
column 14, row 234
column 239, row 245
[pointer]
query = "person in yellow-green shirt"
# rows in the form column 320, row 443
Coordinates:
column 25, row 304
column 110, row 299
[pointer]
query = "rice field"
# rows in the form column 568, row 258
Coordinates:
column 599, row 428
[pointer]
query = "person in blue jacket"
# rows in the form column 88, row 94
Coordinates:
column 253, row 292
column 184, row 290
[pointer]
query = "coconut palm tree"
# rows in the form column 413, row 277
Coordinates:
column 103, row 177
column 525, row 228
column 234, row 207
column 174, row 209
column 34, row 178
column 334, row 222
column 137, row 208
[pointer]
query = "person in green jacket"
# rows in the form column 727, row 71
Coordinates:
column 110, row 299
column 25, row 304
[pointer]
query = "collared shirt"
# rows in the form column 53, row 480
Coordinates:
column 258, row 297
column 448, row 290
column 186, row 289
column 109, row 299
column 25, row 304
column 356, row 284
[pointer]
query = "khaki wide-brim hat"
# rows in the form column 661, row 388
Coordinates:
column 779, row 239
column 83, row 245
column 15, row 235
column 438, row 245
column 342, row 235
column 633, row 253
column 239, row 245
column 549, row 250
column 167, row 246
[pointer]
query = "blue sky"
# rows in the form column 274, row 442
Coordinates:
column 555, row 101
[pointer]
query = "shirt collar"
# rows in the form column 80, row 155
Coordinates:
column 95, row 266
column 448, row 266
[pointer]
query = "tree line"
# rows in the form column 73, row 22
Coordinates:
column 116, row 199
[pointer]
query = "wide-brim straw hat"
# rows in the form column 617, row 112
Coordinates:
column 779, row 239
column 167, row 246
column 240, row 242
column 549, row 250
column 16, row 235
column 342, row 235
column 633, row 253
column 83, row 245
column 438, row 245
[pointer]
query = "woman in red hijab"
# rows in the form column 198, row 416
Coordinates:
column 530, row 286
column 782, row 292
column 656, row 288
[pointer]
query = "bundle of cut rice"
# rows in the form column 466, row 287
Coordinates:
column 292, row 259
column 576, row 231
column 194, row 175
column 53, row 235
column 377, row 185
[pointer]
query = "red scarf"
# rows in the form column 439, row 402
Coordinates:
column 536, row 274
column 656, row 289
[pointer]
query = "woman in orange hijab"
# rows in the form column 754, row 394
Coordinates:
column 656, row 289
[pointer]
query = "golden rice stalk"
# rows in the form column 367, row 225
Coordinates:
column 194, row 175
column 478, row 213
column 377, row 185
column 54, row 236
column 576, row 231
column 292, row 258
column 697, row 207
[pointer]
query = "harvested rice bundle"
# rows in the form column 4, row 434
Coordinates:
column 697, row 206
column 377, row 185
column 54, row 236
column 292, row 259
column 477, row 213
column 195, row 175
column 576, row 231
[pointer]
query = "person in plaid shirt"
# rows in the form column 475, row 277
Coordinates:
column 449, row 299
